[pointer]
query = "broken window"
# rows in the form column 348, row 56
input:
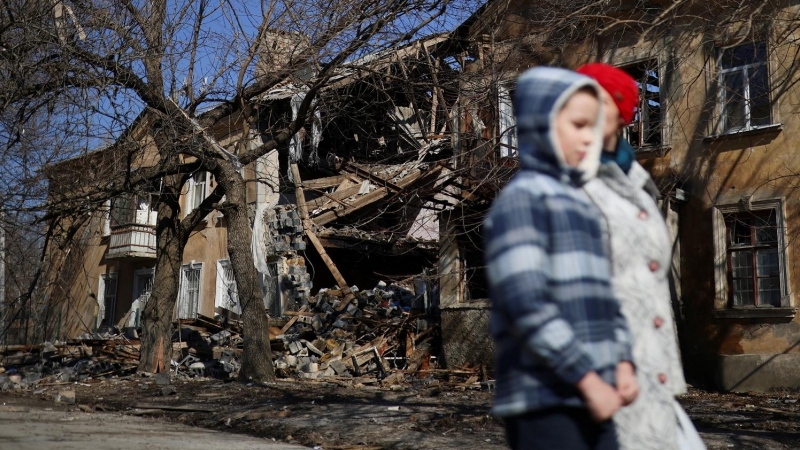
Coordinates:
column 754, row 263
column 189, row 293
column 646, row 129
column 744, row 87
column 133, row 208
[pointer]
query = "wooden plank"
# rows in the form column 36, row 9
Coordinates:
column 322, row 183
column 361, row 202
column 299, row 193
column 367, row 175
column 299, row 313
column 301, row 206
column 374, row 196
column 183, row 408
column 293, row 320
column 337, row 196
column 348, row 295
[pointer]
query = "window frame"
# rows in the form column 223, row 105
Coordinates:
column 640, row 121
column 722, row 91
column 183, row 291
column 108, row 310
column 749, row 218
column 723, row 283
column 192, row 186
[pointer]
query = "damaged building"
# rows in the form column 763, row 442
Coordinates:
column 350, row 201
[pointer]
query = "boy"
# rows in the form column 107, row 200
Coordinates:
column 561, row 341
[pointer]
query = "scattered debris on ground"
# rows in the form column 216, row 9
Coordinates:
column 315, row 413
column 377, row 336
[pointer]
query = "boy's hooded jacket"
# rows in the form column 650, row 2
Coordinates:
column 554, row 317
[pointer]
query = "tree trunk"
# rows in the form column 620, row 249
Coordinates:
column 257, row 357
column 156, row 340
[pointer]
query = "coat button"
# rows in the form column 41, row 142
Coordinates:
column 662, row 378
column 643, row 215
column 654, row 265
column 657, row 322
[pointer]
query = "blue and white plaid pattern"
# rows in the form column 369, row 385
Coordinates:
column 554, row 316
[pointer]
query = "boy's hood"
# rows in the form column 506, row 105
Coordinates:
column 541, row 92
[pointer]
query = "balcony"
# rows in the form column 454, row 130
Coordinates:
column 132, row 241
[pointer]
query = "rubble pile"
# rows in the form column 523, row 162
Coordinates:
column 92, row 356
column 380, row 331
column 379, row 336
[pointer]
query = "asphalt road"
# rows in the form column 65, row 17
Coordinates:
column 25, row 427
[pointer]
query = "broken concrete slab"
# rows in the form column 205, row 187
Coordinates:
column 163, row 379
column 65, row 397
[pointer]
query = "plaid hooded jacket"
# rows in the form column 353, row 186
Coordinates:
column 554, row 317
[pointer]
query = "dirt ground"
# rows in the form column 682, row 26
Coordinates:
column 329, row 416
column 30, row 424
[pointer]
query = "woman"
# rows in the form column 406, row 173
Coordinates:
column 641, row 252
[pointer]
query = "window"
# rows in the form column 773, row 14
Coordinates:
column 189, row 294
column 751, row 255
column 753, row 269
column 744, row 87
column 646, row 129
column 133, row 208
column 197, row 190
column 107, row 300
column 227, row 294
column 507, row 124
column 122, row 212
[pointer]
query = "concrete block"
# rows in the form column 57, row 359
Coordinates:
column 66, row 397
column 162, row 379
column 168, row 390
column 338, row 367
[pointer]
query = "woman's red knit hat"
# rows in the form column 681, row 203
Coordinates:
column 618, row 83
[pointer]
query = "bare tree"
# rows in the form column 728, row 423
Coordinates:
column 182, row 69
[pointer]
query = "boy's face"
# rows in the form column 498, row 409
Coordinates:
column 575, row 126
